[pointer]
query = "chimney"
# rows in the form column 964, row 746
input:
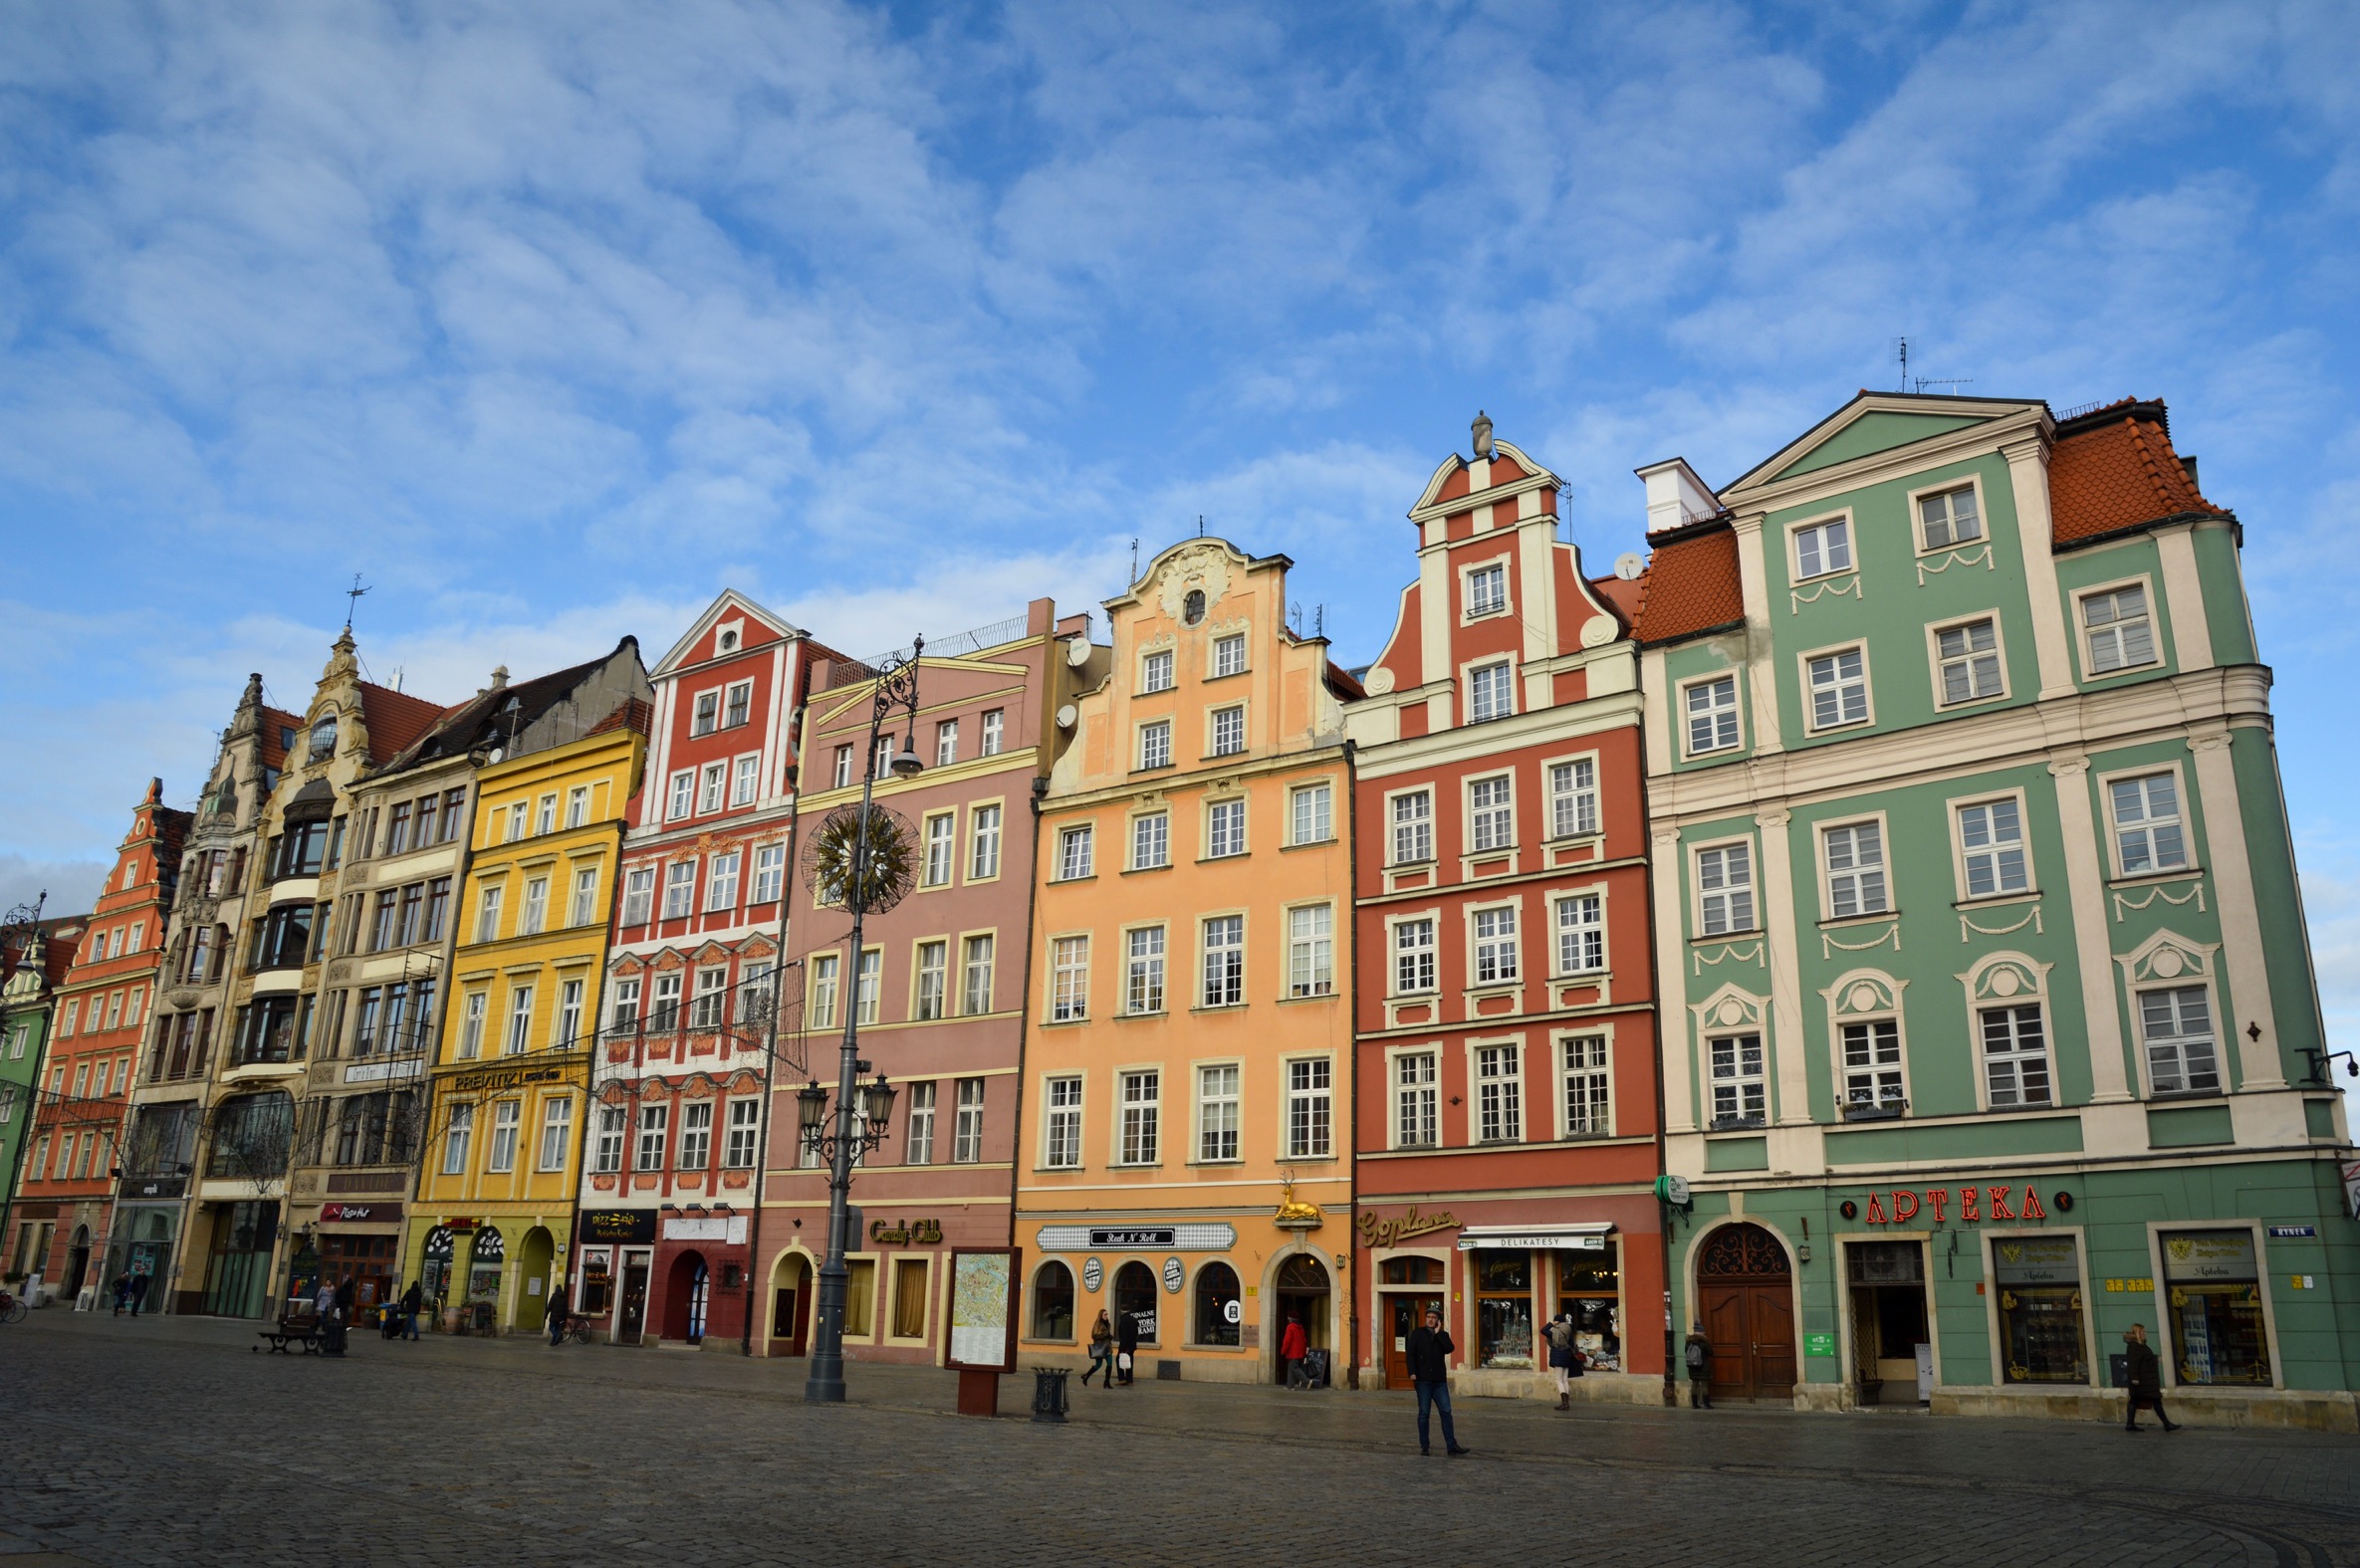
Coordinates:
column 1676, row 496
column 499, row 676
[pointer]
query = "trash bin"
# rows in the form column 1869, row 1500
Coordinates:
column 1048, row 1392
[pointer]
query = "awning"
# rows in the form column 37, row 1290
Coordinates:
column 1588, row 1235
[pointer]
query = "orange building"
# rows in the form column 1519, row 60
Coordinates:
column 1186, row 1154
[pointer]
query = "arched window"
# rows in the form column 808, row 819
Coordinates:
column 1134, row 1292
column 1192, row 608
column 1053, row 1302
column 1217, row 1306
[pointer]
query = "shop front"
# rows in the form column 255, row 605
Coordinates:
column 144, row 1247
column 895, row 1293
column 489, row 1274
column 362, row 1242
column 244, row 1239
column 616, row 1262
column 1499, row 1271
column 700, row 1265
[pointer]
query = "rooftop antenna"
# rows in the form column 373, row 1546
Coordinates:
column 1200, row 524
column 1903, row 345
column 1924, row 381
column 352, row 600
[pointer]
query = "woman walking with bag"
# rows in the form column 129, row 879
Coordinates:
column 1101, row 1350
column 1564, row 1357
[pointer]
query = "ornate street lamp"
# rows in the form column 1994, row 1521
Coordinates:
column 859, row 858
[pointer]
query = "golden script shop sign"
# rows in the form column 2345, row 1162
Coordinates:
column 1377, row 1230
column 915, row 1232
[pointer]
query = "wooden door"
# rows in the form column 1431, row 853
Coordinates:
column 1746, row 1297
column 1402, row 1314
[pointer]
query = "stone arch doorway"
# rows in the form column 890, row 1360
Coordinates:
column 1301, row 1291
column 686, row 1293
column 1745, row 1290
column 78, row 1261
column 534, row 1264
column 792, row 1284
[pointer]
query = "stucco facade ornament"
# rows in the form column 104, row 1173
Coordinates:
column 1200, row 567
column 1379, row 682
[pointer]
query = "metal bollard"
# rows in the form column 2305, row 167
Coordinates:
column 1048, row 1394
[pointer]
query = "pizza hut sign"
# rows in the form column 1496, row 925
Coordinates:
column 1965, row 1205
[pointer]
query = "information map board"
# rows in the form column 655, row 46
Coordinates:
column 982, row 1308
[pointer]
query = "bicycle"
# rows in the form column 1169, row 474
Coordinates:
column 577, row 1328
column 12, row 1307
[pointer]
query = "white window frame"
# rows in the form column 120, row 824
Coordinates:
column 1586, row 1061
column 975, row 996
column 1159, row 670
column 457, row 1135
column 1978, row 1023
column 1917, row 514
column 721, row 879
column 1220, row 1131
column 1587, row 937
column 946, row 743
column 1306, row 1106
column 1223, row 647
column 1963, row 854
column 1736, row 1079
column 704, row 713
column 1811, row 706
column 741, row 1145
column 1862, row 874
column 2086, row 644
column 1420, row 825
column 1514, row 972
column 745, row 780
column 1413, row 1090
column 967, row 1121
column 583, row 910
column 1063, row 1095
column 1151, row 840
column 1225, row 731
column 532, row 916
column 1795, row 565
column 1874, row 1070
column 1318, row 800
column 1493, row 679
column 696, row 1136
column 516, row 1036
column 730, row 704
column 1230, row 810
column 770, row 873
column 1484, row 820
column 1574, row 805
column 1310, row 953
column 608, row 1141
column 1475, row 571
column 930, row 981
column 2189, row 864
column 1702, row 895
column 638, row 895
column 651, row 1140
column 1155, row 744
column 1427, row 955
column 1735, row 712
column 1221, row 959
column 2177, row 1042
column 995, row 732
column 1997, row 652
column 917, row 1128
column 473, row 1012
column 1077, row 852
column 713, row 792
column 681, row 800
column 556, row 1131
column 939, row 859
column 500, row 1150
column 1138, row 1116
column 1496, row 1091
column 1068, row 977
column 1147, row 969
column 986, row 825
column 840, row 773
column 684, row 887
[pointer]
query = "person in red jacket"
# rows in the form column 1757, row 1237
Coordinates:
column 1294, row 1345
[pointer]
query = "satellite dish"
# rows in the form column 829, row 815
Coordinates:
column 1077, row 651
column 1628, row 566
column 1067, row 716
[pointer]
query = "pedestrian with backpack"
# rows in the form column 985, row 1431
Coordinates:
column 1699, row 1356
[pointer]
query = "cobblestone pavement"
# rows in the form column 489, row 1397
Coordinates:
column 166, row 1442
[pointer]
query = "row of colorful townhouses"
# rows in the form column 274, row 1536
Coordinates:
column 1866, row 927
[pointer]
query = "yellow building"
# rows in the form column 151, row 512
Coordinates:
column 493, row 1220
column 1187, row 1156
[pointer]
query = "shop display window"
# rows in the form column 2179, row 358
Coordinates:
column 1218, row 1308
column 1589, row 1286
column 861, row 1299
column 1134, row 1292
column 2038, row 1280
column 909, row 1298
column 2214, row 1291
column 1053, row 1302
column 1503, row 1309
column 597, row 1287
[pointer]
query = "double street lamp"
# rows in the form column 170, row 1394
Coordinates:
column 862, row 880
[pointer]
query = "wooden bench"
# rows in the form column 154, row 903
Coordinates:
column 296, row 1328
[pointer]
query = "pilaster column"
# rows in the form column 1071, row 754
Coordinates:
column 1782, row 925
column 2259, row 1063
column 2085, row 889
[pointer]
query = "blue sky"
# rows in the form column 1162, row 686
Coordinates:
column 553, row 319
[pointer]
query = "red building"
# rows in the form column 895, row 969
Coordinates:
column 675, row 1132
column 68, row 1182
column 1508, row 1109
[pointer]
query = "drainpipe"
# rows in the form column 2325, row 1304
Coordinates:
column 1655, row 983
column 1351, row 883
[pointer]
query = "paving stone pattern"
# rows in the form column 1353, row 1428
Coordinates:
column 166, row 1442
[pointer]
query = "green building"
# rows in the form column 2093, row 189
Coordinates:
column 33, row 958
column 1990, row 1026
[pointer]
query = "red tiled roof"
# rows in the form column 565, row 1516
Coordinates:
column 1690, row 585
column 634, row 714
column 2112, row 474
column 394, row 719
column 276, row 722
column 1621, row 594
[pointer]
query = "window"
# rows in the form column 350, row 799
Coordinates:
column 942, row 838
column 664, row 1017
column 1225, row 828
column 1490, row 819
column 507, row 1117
column 983, row 862
column 1969, row 657
column 1491, row 692
column 1151, row 840
column 867, row 982
column 933, row 979
column 2117, row 630
column 1217, row 1112
column 1310, row 951
column 1229, row 731
column 1312, row 814
column 1413, row 827
column 745, row 1128
column 712, row 993
column 486, row 915
column 654, row 1123
column 626, row 1005
column 568, row 1014
column 738, row 708
column 823, row 988
column 1991, row 848
column 638, row 896
column 2015, row 1055
column 1225, row 962
column 1141, row 1103
column 1415, row 1097
column 586, row 899
column 557, row 1133
column 606, row 1142
column 545, row 820
column 975, row 996
column 1823, row 548
column 1069, row 983
column 2177, row 1024
column 683, row 796
column 1061, row 1148
column 1573, row 797
column 1495, row 946
column 995, row 725
column 769, row 873
column 2213, row 1282
column 708, row 714
column 716, row 777
column 696, row 1135
column 1143, row 990
column 749, row 779
column 1310, row 1108
column 1725, row 882
column 1588, row 1097
column 520, row 1019
column 1581, row 932
column 1839, row 688
column 382, row 921
column 471, row 1023
column 841, row 776
column 1712, row 715
column 1856, row 870
column 2147, row 835
column 1872, row 1065
column 1498, row 1094
column 1155, row 672
column 1192, row 607
column 679, row 889
column 455, row 1139
column 1487, row 591
column 1229, row 655
column 967, row 1131
column 1950, row 518
column 1740, row 1098
column 533, row 917
column 1074, row 854
column 919, row 1143
column 1413, row 955
column 453, row 813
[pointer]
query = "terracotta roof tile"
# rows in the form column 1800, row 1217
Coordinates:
column 634, row 714
column 1690, row 585
column 1624, row 595
column 2108, row 474
column 275, row 723
column 394, row 719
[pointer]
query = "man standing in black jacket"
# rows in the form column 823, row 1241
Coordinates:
column 2142, row 1378
column 1429, row 1353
